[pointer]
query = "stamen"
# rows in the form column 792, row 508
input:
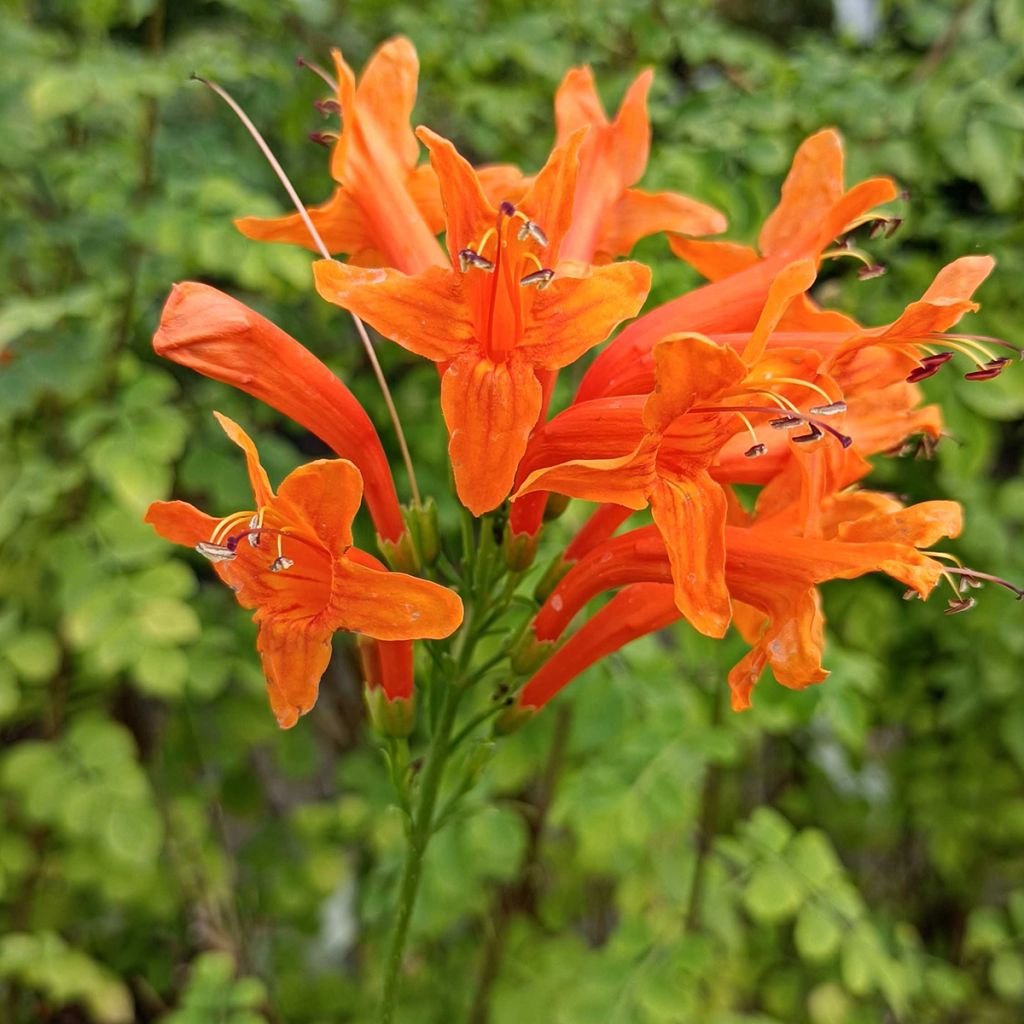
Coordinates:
column 958, row 605
column 786, row 422
column 468, row 258
column 216, row 552
column 871, row 271
column 280, row 564
column 226, row 525
column 803, row 384
column 844, row 439
column 813, row 434
column 531, row 230
column 541, row 278
column 780, row 400
column 990, row 370
column 326, row 139
column 327, row 106
column 756, row 450
column 488, row 235
column 832, row 409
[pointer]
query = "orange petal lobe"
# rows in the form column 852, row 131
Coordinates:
column 387, row 92
column 424, row 314
column 490, row 409
column 390, row 605
column 261, row 488
column 690, row 515
column 326, row 494
column 638, row 214
column 295, row 655
column 180, row 523
column 714, row 260
column 578, row 312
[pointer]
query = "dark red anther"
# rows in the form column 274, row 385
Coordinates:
column 923, row 373
column 937, row 359
column 326, row 139
column 893, row 226
column 755, row 450
column 956, row 606
column 989, row 371
column 327, row 106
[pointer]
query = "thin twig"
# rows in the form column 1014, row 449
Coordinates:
column 319, row 242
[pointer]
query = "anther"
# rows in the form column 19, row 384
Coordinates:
column 216, row 552
column 254, row 530
column 814, row 432
column 327, row 139
column 990, row 370
column 871, row 271
column 756, row 450
column 531, row 230
column 470, row 258
column 956, row 606
column 327, row 106
column 920, row 373
column 786, row 422
column 832, row 409
column 541, row 278
column 281, row 563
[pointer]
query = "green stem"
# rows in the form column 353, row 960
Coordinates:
column 419, row 837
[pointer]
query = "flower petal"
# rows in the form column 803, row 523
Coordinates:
column 425, row 314
column 180, row 523
column 295, row 655
column 468, row 213
column 261, row 488
column 689, row 369
column 578, row 312
column 326, row 494
column 549, row 201
column 690, row 514
column 390, row 605
column 387, row 94
column 791, row 281
column 490, row 409
column 638, row 214
column 714, row 260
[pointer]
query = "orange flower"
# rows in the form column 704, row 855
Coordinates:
column 772, row 574
column 609, row 217
column 506, row 312
column 815, row 208
column 291, row 558
column 660, row 450
column 386, row 210
column 218, row 336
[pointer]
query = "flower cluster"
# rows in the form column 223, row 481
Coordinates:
column 743, row 381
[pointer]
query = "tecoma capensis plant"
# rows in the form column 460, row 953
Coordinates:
column 745, row 380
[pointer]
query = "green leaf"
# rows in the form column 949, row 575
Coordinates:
column 818, row 932
column 774, row 893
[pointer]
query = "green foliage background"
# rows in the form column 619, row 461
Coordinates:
column 847, row 855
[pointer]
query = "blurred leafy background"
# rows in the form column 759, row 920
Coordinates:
column 848, row 855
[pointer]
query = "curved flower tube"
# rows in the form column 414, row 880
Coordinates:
column 772, row 574
column 221, row 338
column 291, row 559
column 505, row 312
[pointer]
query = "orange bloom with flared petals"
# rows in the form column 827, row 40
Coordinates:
column 385, row 209
column 815, row 208
column 659, row 450
column 505, row 313
column 609, row 216
column 291, row 559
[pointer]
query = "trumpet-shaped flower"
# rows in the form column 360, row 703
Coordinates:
column 218, row 336
column 609, row 216
column 815, row 208
column 291, row 559
column 503, row 314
